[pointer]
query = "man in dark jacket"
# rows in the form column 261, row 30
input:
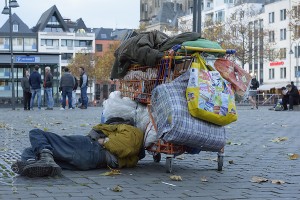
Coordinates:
column 48, row 88
column 26, row 90
column 67, row 84
column 35, row 82
column 293, row 96
column 83, row 84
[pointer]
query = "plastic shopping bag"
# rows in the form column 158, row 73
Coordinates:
column 232, row 72
column 209, row 96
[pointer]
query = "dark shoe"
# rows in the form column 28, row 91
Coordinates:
column 49, row 109
column 290, row 109
column 19, row 165
column 46, row 166
column 256, row 106
column 83, row 107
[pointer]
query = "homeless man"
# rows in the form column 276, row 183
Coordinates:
column 115, row 145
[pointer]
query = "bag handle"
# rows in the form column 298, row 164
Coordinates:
column 198, row 59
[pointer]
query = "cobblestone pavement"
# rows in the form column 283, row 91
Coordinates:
column 251, row 151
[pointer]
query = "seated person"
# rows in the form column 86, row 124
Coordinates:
column 115, row 144
column 291, row 97
column 285, row 98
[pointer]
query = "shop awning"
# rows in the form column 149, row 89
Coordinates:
column 271, row 86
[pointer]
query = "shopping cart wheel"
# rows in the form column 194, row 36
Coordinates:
column 169, row 164
column 157, row 157
column 220, row 161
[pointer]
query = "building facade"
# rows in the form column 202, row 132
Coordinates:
column 273, row 17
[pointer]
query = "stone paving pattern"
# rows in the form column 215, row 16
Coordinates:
column 249, row 150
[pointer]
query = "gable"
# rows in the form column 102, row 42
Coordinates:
column 51, row 21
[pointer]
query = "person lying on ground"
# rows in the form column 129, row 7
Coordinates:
column 115, row 144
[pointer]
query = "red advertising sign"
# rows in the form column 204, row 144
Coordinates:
column 276, row 63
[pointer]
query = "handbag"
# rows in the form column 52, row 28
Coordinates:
column 176, row 125
column 209, row 96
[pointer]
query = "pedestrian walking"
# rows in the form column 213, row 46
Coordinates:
column 83, row 88
column 116, row 145
column 67, row 84
column 35, row 82
column 48, row 81
column 253, row 92
column 26, row 90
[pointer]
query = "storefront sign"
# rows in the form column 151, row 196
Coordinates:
column 27, row 59
column 276, row 63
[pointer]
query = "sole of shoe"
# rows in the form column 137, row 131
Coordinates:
column 41, row 170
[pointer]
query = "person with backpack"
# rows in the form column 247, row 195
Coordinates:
column 253, row 92
column 67, row 84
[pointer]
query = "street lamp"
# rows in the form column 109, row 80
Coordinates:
column 297, row 60
column 7, row 11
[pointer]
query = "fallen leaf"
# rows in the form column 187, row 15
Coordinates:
column 203, row 179
column 83, row 125
column 277, row 182
column 117, row 189
column 257, row 179
column 279, row 139
column 111, row 172
column 46, row 129
column 293, row 156
column 176, row 178
column 228, row 142
column 230, row 161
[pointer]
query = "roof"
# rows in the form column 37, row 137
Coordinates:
column 45, row 17
column 168, row 13
column 103, row 33
column 23, row 28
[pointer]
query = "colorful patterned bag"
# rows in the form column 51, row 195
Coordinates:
column 209, row 96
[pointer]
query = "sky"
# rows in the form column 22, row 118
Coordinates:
column 95, row 13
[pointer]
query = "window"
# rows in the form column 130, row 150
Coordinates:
column 271, row 73
column 282, row 72
column 83, row 43
column 271, row 36
column 103, row 36
column 283, row 34
column 66, row 56
column 99, row 48
column 271, row 17
column 15, row 27
column 49, row 42
column 67, row 43
column 282, row 53
column 220, row 16
column 53, row 21
column 297, row 71
column 282, row 14
column 297, row 52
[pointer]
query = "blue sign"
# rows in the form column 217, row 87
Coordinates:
column 27, row 59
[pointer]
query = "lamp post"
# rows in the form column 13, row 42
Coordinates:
column 7, row 11
column 297, row 61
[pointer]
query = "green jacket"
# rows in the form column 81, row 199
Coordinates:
column 124, row 142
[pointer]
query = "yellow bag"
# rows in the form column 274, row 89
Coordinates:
column 209, row 96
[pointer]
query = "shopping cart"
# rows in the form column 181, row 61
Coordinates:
column 141, row 80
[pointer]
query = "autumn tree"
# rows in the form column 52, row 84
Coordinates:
column 294, row 24
column 83, row 59
column 105, row 62
column 97, row 67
